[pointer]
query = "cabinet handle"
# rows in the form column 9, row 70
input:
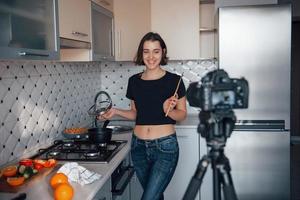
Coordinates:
column 182, row 136
column 79, row 34
column 119, row 44
column 24, row 53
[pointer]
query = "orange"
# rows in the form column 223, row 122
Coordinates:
column 15, row 181
column 57, row 179
column 63, row 191
column 10, row 170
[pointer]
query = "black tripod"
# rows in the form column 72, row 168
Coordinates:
column 216, row 128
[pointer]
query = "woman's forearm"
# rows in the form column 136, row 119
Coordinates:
column 177, row 114
column 128, row 114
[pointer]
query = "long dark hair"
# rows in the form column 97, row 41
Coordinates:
column 138, row 60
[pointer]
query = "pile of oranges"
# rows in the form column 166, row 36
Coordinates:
column 61, row 186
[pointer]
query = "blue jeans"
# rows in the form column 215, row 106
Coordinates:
column 154, row 162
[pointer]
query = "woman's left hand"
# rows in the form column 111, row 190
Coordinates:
column 170, row 102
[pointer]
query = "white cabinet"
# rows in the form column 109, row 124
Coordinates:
column 75, row 25
column 105, row 192
column 177, row 22
column 136, row 189
column 189, row 148
column 132, row 22
column 107, row 4
column 208, row 30
column 75, row 19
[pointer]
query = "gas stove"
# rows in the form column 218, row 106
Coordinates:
column 81, row 151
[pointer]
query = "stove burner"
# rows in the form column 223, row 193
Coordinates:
column 91, row 154
column 102, row 144
column 70, row 145
column 53, row 153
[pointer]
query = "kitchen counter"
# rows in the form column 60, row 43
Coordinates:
column 41, row 189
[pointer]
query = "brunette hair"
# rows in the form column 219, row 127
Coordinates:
column 151, row 36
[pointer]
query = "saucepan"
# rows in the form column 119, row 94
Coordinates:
column 100, row 134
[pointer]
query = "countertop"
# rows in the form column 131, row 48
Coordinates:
column 41, row 189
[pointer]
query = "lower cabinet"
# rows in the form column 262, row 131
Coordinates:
column 105, row 192
column 136, row 190
column 188, row 140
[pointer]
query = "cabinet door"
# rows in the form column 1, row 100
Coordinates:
column 28, row 29
column 75, row 19
column 208, row 32
column 102, row 26
column 132, row 22
column 177, row 22
column 188, row 140
column 105, row 192
column 136, row 189
column 107, row 4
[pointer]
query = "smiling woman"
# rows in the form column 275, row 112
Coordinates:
column 155, row 109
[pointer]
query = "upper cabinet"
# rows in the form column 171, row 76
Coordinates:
column 107, row 4
column 177, row 22
column 208, row 30
column 75, row 19
column 132, row 22
column 75, row 30
column 29, row 29
column 102, row 33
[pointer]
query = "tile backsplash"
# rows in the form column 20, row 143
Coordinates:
column 39, row 99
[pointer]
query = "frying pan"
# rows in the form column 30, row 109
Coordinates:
column 75, row 135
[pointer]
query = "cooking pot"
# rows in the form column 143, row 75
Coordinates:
column 100, row 134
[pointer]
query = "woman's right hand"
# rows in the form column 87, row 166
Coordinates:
column 107, row 115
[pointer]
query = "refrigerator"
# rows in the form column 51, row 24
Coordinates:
column 255, row 43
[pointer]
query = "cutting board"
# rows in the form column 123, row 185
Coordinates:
column 5, row 187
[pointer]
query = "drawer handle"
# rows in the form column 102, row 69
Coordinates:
column 182, row 136
column 24, row 53
column 79, row 33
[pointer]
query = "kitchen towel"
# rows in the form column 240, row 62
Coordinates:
column 78, row 173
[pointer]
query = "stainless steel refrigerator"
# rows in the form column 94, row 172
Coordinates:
column 255, row 43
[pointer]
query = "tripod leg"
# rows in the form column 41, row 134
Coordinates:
column 226, row 179
column 196, row 180
column 216, row 181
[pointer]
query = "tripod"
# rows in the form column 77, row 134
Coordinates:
column 215, row 127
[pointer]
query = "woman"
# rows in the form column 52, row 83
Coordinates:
column 155, row 109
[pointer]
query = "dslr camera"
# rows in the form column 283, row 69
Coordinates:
column 217, row 95
column 218, row 92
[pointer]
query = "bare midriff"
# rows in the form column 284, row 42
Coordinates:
column 150, row 132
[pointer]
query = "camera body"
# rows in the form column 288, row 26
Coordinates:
column 217, row 95
column 218, row 92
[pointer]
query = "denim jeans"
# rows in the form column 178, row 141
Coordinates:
column 154, row 162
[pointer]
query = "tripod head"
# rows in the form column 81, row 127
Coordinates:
column 216, row 126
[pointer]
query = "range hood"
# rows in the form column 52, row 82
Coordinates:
column 66, row 43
